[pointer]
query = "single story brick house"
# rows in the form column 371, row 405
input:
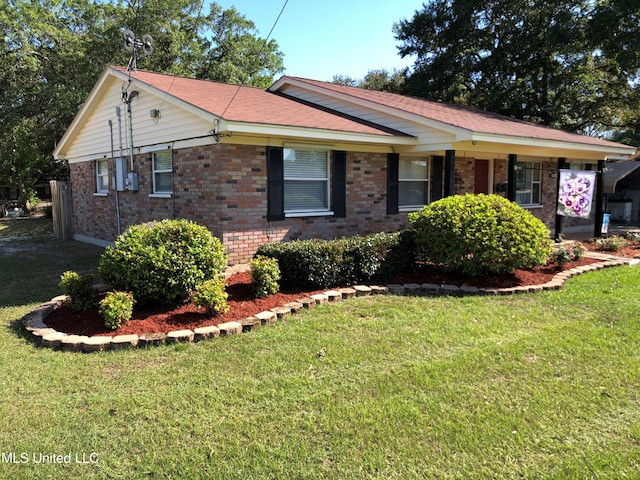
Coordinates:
column 302, row 159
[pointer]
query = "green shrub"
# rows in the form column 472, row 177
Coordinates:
column 304, row 263
column 80, row 288
column 480, row 234
column 211, row 295
column 397, row 253
column 314, row 264
column 162, row 261
column 562, row 255
column 116, row 309
column 611, row 244
column 265, row 276
column 633, row 237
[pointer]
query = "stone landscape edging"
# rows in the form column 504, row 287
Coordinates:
column 41, row 334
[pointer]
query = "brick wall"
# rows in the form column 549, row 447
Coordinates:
column 224, row 188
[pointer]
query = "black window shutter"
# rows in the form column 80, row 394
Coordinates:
column 437, row 171
column 393, row 167
column 275, row 183
column 339, row 183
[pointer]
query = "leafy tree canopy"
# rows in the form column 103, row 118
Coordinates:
column 53, row 51
column 380, row 80
column 569, row 64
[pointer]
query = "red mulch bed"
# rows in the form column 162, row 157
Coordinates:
column 630, row 251
column 243, row 304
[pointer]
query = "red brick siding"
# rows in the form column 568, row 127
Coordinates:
column 224, row 188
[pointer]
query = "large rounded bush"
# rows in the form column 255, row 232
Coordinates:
column 163, row 261
column 480, row 234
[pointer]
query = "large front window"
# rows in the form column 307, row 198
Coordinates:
column 163, row 172
column 306, row 180
column 528, row 183
column 413, row 182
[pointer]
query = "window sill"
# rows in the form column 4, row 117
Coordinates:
column 160, row 195
column 324, row 213
column 100, row 194
column 531, row 205
column 411, row 209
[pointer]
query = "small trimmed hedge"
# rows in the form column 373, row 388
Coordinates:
column 480, row 234
column 314, row 264
column 116, row 309
column 265, row 276
column 211, row 295
column 80, row 288
column 162, row 262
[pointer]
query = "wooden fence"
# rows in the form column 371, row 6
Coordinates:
column 61, row 200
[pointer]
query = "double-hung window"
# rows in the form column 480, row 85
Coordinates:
column 163, row 172
column 413, row 183
column 306, row 181
column 528, row 183
column 102, row 176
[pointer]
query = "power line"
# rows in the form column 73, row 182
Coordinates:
column 197, row 24
column 266, row 41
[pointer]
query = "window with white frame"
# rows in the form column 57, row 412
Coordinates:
column 102, row 176
column 163, row 172
column 413, row 182
column 306, row 180
column 528, row 183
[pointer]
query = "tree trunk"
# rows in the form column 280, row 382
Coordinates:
column 23, row 198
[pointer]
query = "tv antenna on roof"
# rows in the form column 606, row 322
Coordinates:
column 135, row 45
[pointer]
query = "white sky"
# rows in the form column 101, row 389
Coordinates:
column 323, row 38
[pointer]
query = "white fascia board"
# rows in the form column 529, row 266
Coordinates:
column 106, row 81
column 84, row 110
column 166, row 97
column 337, row 136
column 602, row 151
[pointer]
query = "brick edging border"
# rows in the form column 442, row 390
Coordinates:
column 41, row 334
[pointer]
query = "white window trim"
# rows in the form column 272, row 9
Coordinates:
column 101, row 192
column 531, row 186
column 312, row 212
column 427, row 180
column 155, row 193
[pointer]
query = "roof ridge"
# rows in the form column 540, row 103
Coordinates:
column 370, row 96
column 174, row 75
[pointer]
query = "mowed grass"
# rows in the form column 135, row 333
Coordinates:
column 530, row 386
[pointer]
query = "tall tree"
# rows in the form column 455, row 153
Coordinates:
column 53, row 51
column 529, row 59
column 380, row 80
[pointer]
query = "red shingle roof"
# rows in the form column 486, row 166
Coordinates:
column 471, row 119
column 253, row 105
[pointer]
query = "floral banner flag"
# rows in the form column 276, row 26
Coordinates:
column 576, row 193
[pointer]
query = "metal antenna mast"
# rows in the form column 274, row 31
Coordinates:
column 135, row 45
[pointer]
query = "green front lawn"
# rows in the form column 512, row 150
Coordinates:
column 530, row 386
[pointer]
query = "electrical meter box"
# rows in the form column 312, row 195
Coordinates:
column 132, row 181
column 121, row 174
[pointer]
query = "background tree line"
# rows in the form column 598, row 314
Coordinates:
column 53, row 52
column 570, row 64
